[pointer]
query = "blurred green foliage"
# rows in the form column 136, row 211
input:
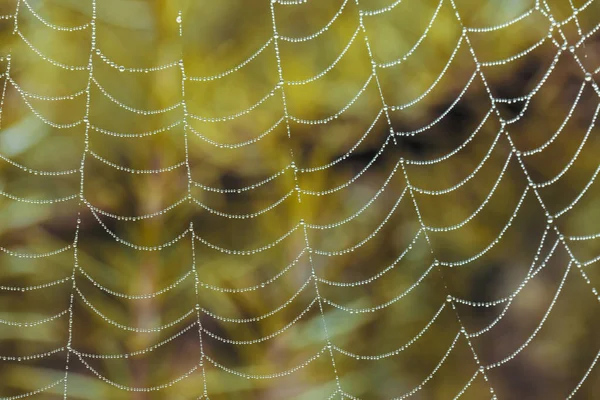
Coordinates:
column 217, row 36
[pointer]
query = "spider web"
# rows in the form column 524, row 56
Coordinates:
column 312, row 248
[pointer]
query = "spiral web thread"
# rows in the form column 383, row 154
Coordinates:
column 288, row 122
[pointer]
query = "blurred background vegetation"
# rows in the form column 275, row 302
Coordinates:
column 217, row 36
